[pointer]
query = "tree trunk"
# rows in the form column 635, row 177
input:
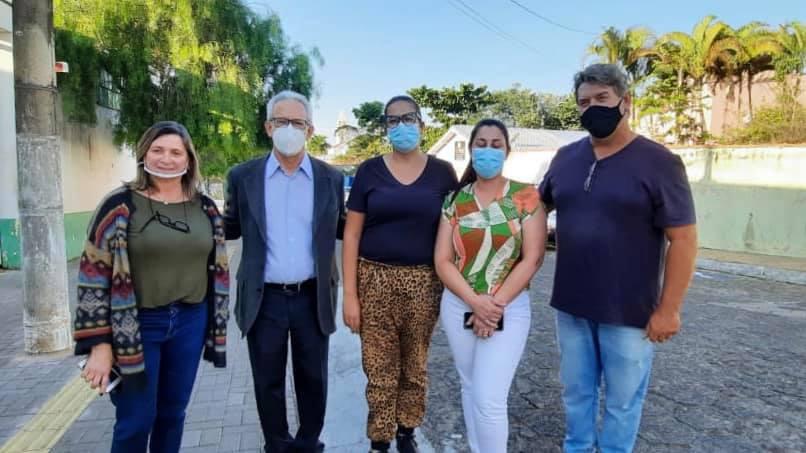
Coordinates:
column 750, row 93
column 678, row 113
column 741, row 91
column 46, row 314
column 698, row 87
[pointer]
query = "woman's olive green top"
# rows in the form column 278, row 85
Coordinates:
column 169, row 248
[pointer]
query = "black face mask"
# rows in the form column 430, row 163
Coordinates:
column 601, row 121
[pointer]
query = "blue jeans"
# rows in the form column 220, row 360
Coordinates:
column 590, row 351
column 172, row 344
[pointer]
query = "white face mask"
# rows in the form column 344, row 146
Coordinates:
column 288, row 140
column 160, row 174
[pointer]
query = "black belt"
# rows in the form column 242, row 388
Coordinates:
column 292, row 287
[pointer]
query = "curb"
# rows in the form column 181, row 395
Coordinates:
column 751, row 270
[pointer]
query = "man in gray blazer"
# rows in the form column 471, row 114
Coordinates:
column 289, row 209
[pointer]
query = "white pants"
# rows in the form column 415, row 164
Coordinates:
column 486, row 368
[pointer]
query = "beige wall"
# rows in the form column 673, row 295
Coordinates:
column 92, row 164
column 725, row 107
column 727, row 100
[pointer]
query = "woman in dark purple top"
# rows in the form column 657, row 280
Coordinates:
column 391, row 292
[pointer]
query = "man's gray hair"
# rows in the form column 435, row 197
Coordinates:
column 288, row 95
column 603, row 74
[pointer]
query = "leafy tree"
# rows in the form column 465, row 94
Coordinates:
column 449, row 105
column 668, row 77
column 209, row 64
column 792, row 58
column 515, row 106
column 710, row 47
column 318, row 145
column 757, row 47
column 562, row 113
column 431, row 136
column 631, row 49
column 522, row 107
column 667, row 101
column 368, row 115
column 366, row 146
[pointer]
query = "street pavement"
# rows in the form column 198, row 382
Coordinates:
column 732, row 381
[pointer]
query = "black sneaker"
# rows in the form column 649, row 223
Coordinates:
column 379, row 447
column 406, row 443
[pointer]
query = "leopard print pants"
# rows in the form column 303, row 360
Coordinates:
column 399, row 309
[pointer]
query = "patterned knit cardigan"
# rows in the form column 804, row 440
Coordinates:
column 107, row 305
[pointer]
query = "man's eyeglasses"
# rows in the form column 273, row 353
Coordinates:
column 166, row 221
column 283, row 122
column 407, row 118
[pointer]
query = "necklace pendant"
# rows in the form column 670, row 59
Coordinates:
column 165, row 202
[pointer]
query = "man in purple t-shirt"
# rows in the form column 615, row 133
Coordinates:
column 626, row 246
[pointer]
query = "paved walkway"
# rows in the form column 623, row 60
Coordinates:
column 782, row 269
column 222, row 415
column 26, row 382
column 755, row 259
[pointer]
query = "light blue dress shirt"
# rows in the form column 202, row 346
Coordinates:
column 289, row 222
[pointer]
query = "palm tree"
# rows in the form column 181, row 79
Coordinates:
column 758, row 46
column 629, row 49
column 701, row 56
column 792, row 58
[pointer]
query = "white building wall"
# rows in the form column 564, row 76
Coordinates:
column 523, row 166
column 448, row 153
column 528, row 166
column 8, row 130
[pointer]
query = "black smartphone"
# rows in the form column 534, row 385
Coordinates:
column 468, row 314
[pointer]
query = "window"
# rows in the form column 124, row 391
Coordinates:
column 459, row 150
column 108, row 94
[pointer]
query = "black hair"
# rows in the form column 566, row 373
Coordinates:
column 470, row 176
column 406, row 98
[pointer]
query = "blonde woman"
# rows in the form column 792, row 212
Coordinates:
column 153, row 292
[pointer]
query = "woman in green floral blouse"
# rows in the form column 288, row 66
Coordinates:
column 489, row 245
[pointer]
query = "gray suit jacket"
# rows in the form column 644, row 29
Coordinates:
column 244, row 216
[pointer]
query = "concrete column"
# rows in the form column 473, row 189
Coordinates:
column 46, row 317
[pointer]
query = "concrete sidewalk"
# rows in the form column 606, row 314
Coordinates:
column 776, row 268
column 27, row 382
column 222, row 415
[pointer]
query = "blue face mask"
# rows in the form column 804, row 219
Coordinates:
column 488, row 162
column 404, row 137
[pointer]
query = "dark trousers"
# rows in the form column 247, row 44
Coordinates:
column 285, row 314
column 172, row 344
